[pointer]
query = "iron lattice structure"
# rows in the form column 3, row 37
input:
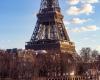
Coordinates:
column 50, row 32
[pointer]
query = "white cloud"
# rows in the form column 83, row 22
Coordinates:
column 66, row 22
column 73, row 2
column 79, row 21
column 98, row 48
column 90, row 1
column 85, row 9
column 73, row 10
column 75, row 21
column 85, row 29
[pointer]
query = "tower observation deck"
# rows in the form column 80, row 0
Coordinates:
column 50, row 33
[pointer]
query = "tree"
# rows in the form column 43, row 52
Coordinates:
column 94, row 54
column 85, row 54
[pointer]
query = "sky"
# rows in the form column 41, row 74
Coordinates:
column 18, row 18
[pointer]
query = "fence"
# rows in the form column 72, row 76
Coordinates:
column 61, row 78
column 51, row 78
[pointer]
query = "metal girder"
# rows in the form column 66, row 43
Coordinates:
column 49, row 29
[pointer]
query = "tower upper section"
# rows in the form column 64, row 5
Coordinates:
column 50, row 32
column 49, row 4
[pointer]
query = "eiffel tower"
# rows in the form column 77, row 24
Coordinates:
column 50, row 33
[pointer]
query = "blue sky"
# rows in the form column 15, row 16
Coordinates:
column 18, row 18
